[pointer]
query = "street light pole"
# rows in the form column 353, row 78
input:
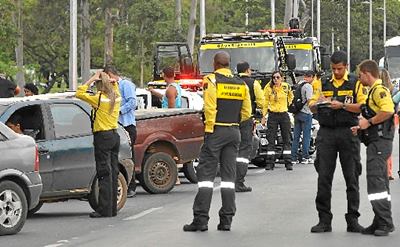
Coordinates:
column 384, row 22
column 348, row 34
column 370, row 29
column 272, row 14
column 73, row 45
column 312, row 18
column 319, row 21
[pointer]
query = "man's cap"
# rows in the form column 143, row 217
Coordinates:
column 309, row 73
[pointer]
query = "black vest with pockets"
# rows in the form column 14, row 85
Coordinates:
column 231, row 92
column 328, row 117
column 250, row 84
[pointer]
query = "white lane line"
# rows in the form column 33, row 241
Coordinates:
column 141, row 214
column 261, row 171
column 53, row 245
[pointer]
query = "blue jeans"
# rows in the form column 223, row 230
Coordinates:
column 302, row 124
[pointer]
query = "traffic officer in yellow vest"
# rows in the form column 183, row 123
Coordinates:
column 278, row 95
column 246, row 126
column 226, row 104
column 377, row 132
column 337, row 102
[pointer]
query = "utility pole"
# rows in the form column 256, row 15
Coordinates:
column 202, row 18
column 348, row 35
column 272, row 14
column 73, row 47
column 319, row 21
column 370, row 29
column 384, row 22
column 312, row 18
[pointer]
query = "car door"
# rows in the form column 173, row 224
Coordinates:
column 73, row 156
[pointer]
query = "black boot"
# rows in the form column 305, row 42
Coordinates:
column 321, row 227
column 192, row 227
column 240, row 187
column 352, row 224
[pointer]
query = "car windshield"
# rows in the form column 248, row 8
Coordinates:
column 304, row 59
column 169, row 55
column 260, row 58
column 394, row 67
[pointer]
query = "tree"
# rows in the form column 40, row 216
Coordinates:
column 8, row 34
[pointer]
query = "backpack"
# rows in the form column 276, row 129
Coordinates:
column 297, row 103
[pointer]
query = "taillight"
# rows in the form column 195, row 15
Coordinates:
column 36, row 165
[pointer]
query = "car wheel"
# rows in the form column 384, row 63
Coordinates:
column 35, row 209
column 13, row 208
column 121, row 196
column 189, row 169
column 159, row 173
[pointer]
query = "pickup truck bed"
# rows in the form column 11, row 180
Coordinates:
column 165, row 138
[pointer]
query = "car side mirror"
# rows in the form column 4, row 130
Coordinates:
column 291, row 61
column 325, row 62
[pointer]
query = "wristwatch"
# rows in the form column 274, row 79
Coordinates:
column 370, row 121
column 344, row 106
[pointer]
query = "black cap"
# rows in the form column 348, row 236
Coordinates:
column 309, row 73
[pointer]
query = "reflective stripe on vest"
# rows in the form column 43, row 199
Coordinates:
column 227, row 185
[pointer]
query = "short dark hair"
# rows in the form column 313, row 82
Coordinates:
column 15, row 119
column 309, row 73
column 32, row 87
column 241, row 67
column 110, row 69
column 339, row 57
column 369, row 66
column 169, row 72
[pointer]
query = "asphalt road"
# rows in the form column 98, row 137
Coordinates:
column 279, row 212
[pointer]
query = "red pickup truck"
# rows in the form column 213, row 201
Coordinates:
column 165, row 138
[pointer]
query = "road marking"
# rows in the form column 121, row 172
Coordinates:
column 145, row 212
column 261, row 171
column 59, row 243
column 53, row 245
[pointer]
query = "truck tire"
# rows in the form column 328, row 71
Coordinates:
column 13, row 216
column 159, row 173
column 189, row 169
column 121, row 197
column 35, row 209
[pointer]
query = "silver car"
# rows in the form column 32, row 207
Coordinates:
column 20, row 182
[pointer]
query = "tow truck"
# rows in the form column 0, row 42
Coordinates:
column 176, row 54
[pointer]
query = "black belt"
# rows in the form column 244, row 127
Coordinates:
column 105, row 131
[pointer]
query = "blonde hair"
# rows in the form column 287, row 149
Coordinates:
column 386, row 81
column 105, row 86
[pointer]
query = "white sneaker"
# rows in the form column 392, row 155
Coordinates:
column 307, row 161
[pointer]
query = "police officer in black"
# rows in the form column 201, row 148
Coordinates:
column 337, row 101
column 377, row 132
column 246, row 126
column 226, row 104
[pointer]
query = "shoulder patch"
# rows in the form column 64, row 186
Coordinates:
column 382, row 94
column 364, row 90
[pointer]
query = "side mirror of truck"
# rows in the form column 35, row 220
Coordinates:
column 325, row 62
column 291, row 61
column 187, row 65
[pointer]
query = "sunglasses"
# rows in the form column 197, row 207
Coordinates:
column 276, row 77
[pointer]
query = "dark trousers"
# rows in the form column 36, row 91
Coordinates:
column 106, row 148
column 282, row 121
column 302, row 126
column 246, row 142
column 330, row 142
column 220, row 147
column 377, row 181
column 131, row 129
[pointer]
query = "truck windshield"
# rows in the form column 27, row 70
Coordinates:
column 304, row 59
column 261, row 59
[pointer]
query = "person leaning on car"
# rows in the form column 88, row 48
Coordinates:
column 105, row 113
column 127, row 90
